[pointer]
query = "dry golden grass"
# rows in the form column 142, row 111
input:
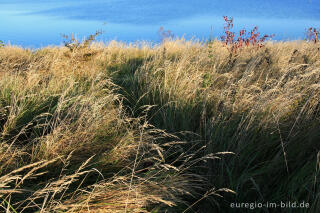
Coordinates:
column 134, row 128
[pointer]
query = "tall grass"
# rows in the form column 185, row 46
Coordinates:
column 262, row 105
column 175, row 127
column 68, row 145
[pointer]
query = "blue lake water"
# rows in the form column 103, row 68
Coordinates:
column 31, row 23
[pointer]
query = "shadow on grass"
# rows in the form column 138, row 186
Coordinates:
column 271, row 163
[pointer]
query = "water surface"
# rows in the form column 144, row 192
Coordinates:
column 33, row 23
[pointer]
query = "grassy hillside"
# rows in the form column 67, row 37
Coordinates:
column 183, row 126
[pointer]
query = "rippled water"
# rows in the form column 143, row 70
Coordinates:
column 33, row 23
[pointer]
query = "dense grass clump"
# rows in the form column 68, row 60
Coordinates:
column 183, row 126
